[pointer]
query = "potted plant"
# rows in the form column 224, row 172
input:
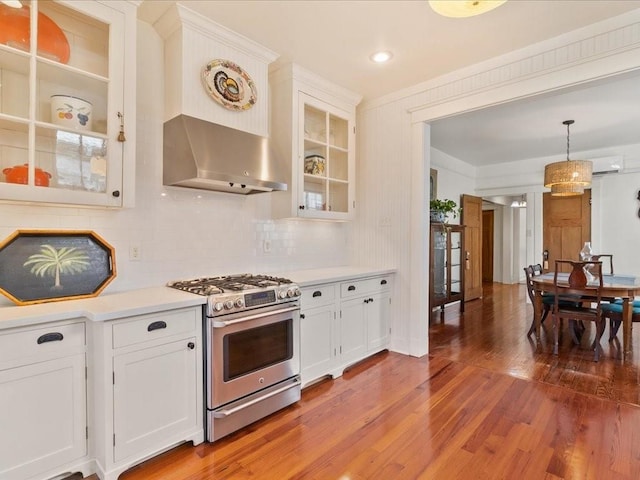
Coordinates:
column 441, row 209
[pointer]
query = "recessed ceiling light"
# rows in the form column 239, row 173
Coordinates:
column 464, row 8
column 381, row 57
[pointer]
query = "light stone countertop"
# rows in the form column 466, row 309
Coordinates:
column 105, row 307
column 117, row 305
column 318, row 276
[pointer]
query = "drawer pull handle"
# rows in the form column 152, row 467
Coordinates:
column 156, row 326
column 317, row 293
column 302, row 316
column 191, row 345
column 383, row 282
column 50, row 337
column 351, row 288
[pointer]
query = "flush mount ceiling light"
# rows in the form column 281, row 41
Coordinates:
column 381, row 57
column 463, row 8
column 568, row 177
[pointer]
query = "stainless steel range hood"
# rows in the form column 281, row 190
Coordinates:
column 207, row 156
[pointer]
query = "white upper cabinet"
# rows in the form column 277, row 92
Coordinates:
column 63, row 100
column 192, row 42
column 313, row 135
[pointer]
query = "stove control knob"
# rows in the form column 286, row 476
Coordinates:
column 296, row 292
column 239, row 303
column 228, row 304
column 283, row 294
column 218, row 306
column 291, row 292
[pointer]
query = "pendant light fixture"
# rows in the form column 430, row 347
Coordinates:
column 568, row 177
column 463, row 8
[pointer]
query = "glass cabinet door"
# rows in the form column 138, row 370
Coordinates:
column 446, row 267
column 55, row 120
column 327, row 171
column 439, row 268
column 455, row 262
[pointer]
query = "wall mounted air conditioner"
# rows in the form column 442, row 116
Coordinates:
column 606, row 165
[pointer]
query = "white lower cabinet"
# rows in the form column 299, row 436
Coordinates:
column 317, row 326
column 343, row 323
column 353, row 331
column 378, row 314
column 43, row 401
column 149, row 387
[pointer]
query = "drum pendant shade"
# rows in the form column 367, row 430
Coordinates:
column 568, row 177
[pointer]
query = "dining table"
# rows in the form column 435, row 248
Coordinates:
column 624, row 287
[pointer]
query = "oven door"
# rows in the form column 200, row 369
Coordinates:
column 251, row 351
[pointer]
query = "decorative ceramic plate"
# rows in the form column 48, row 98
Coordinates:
column 229, row 85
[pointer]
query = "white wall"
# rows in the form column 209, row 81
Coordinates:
column 520, row 245
column 184, row 233
column 455, row 177
column 619, row 221
column 381, row 233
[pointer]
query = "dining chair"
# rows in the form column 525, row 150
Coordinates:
column 548, row 299
column 613, row 311
column 600, row 256
column 590, row 306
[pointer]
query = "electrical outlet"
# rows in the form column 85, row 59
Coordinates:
column 266, row 246
column 134, row 252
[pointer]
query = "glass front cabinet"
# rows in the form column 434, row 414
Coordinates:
column 446, row 272
column 327, row 173
column 67, row 102
column 313, row 132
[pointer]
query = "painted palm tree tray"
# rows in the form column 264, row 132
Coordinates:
column 38, row 266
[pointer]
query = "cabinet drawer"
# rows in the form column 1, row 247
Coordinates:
column 43, row 342
column 151, row 327
column 365, row 286
column 318, row 295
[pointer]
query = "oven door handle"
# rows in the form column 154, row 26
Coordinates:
column 217, row 324
column 231, row 411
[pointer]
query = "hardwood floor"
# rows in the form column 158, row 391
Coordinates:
column 491, row 334
column 483, row 405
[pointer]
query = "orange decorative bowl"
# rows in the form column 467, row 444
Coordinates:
column 15, row 32
column 20, row 173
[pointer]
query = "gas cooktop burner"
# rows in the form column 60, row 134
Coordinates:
column 234, row 283
column 236, row 293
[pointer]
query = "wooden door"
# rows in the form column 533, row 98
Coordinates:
column 487, row 245
column 472, row 220
column 566, row 226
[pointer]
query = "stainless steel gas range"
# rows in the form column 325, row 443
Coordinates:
column 252, row 352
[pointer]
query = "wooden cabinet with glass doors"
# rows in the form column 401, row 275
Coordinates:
column 446, row 269
column 63, row 100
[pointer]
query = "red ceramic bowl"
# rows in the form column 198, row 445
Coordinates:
column 20, row 173
column 15, row 28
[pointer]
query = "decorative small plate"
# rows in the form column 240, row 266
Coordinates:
column 229, row 85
